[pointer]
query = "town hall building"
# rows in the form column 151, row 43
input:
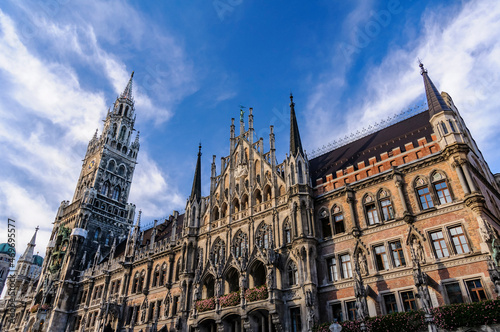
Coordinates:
column 401, row 218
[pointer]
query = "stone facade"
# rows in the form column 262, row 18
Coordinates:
column 403, row 218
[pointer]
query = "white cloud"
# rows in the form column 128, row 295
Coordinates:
column 462, row 57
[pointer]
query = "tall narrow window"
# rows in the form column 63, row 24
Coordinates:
column 445, row 130
column 459, row 240
column 287, row 230
column 296, row 323
column 451, row 125
column 381, row 258
column 116, row 193
column 105, row 189
column 332, row 269
column 299, row 165
column 346, row 266
column 326, row 226
column 442, row 192
column 476, row 290
column 292, row 274
column 337, row 312
column 398, row 257
column 439, row 245
column 391, row 305
column 387, row 210
column 409, row 302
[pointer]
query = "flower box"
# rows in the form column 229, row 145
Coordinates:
column 205, row 305
column 256, row 294
column 230, row 299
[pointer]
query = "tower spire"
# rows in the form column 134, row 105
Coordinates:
column 435, row 102
column 28, row 253
column 295, row 143
column 196, row 190
column 127, row 93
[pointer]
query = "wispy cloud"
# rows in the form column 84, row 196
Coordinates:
column 462, row 56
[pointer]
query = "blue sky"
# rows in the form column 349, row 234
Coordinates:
column 349, row 65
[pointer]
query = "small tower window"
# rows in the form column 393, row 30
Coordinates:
column 126, row 111
column 451, row 125
column 445, row 130
column 123, row 130
column 120, row 110
column 121, row 170
column 116, row 193
column 299, row 165
column 96, row 234
column 105, row 189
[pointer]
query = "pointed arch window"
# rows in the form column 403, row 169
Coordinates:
column 111, row 166
column 386, row 207
column 121, row 170
column 123, row 130
column 424, row 195
column 156, row 276
column 178, row 269
column 371, row 210
column 263, row 236
column 292, row 274
column 116, row 193
column 300, row 173
column 105, row 189
column 135, row 284
column 126, row 111
column 141, row 281
column 97, row 233
column 292, row 173
column 163, row 274
column 326, row 225
column 120, row 110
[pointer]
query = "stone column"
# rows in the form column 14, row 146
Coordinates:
column 351, row 201
column 465, row 169
column 400, row 186
column 461, row 178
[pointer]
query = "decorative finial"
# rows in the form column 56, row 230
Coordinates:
column 37, row 228
column 422, row 68
column 242, row 113
column 132, row 74
column 199, row 148
column 291, row 99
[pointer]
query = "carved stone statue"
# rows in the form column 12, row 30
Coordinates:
column 363, row 264
column 310, row 318
column 309, row 299
column 495, row 252
column 270, row 278
column 417, row 250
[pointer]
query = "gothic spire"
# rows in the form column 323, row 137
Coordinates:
column 196, row 190
column 435, row 102
column 127, row 93
column 295, row 143
column 28, row 253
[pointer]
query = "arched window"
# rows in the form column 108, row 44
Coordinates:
column 116, row 193
column 244, row 202
column 135, row 282
column 282, row 190
column 223, row 210
column 267, row 193
column 258, row 197
column 126, row 111
column 326, row 225
column 287, row 232
column 97, row 233
column 299, row 170
column 111, row 166
column 338, row 220
column 423, row 194
column 105, row 189
column 236, row 205
column 123, row 130
column 292, row 174
column 441, row 189
column 371, row 212
column 263, row 236
column 216, row 213
column 292, row 274
column 156, row 277
column 239, row 244
column 120, row 110
column 121, row 170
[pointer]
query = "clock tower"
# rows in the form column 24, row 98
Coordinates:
column 99, row 214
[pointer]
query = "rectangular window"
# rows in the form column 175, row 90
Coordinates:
column 390, row 303
column 454, row 293
column 387, row 209
column 346, row 266
column 371, row 212
column 408, row 301
column 332, row 269
column 339, row 223
column 337, row 312
column 425, row 198
column 397, row 254
column 459, row 240
column 296, row 321
column 439, row 245
column 476, row 290
column 442, row 192
column 381, row 258
column 351, row 310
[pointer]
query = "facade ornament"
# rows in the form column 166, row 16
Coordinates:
column 495, row 254
column 420, row 280
column 311, row 318
column 363, row 264
column 417, row 251
column 360, row 293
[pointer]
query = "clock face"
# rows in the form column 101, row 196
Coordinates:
column 92, row 164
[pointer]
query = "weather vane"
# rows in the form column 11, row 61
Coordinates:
column 242, row 112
